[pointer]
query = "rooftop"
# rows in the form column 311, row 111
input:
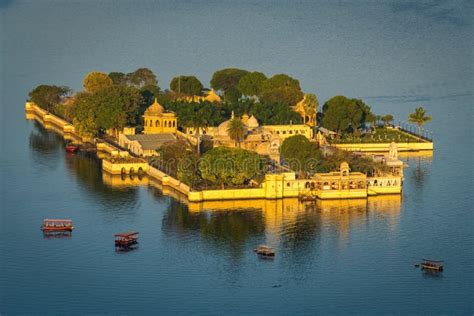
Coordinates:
column 152, row 141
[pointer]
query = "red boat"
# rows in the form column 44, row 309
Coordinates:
column 57, row 225
column 126, row 239
column 71, row 148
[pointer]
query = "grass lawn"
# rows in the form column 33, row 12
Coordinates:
column 381, row 135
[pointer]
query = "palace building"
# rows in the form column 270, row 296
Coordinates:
column 263, row 139
column 210, row 96
column 156, row 120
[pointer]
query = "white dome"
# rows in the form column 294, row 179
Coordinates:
column 252, row 122
column 222, row 128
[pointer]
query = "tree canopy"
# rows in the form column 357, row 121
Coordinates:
column 230, row 166
column 225, row 78
column 47, row 97
column 189, row 85
column 142, row 77
column 281, row 88
column 118, row 77
column 95, row 81
column 343, row 115
column 112, row 107
column 300, row 154
column 419, row 117
column 251, row 83
column 236, row 130
column 387, row 118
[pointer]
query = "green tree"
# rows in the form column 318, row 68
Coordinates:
column 47, row 97
column 236, row 130
column 286, row 95
column 118, row 77
column 232, row 95
column 387, row 119
column 225, row 78
column 112, row 107
column 275, row 114
column 95, row 81
column 84, row 115
column 230, row 166
column 189, row 85
column 198, row 118
column 251, row 83
column 344, row 115
column 281, row 88
column 169, row 155
column 279, row 81
column 142, row 77
column 149, row 93
column 419, row 117
column 187, row 168
column 300, row 154
column 371, row 118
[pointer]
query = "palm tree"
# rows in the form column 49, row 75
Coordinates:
column 236, row 130
column 419, row 117
column 198, row 121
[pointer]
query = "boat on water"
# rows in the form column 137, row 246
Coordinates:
column 431, row 265
column 126, row 239
column 265, row 251
column 57, row 225
column 72, row 148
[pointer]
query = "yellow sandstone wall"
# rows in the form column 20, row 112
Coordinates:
column 116, row 167
column 384, row 147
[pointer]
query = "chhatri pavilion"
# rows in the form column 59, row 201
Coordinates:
column 156, row 120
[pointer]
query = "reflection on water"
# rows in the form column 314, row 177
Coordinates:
column 57, row 234
column 286, row 223
column 86, row 168
column 48, row 152
column 228, row 230
column 44, row 147
column 124, row 180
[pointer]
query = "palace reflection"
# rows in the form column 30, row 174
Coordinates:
column 236, row 227
column 284, row 223
column 288, row 225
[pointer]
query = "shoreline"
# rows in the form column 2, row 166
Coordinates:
column 274, row 186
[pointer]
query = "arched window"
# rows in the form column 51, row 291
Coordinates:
column 157, row 123
column 144, row 123
column 166, row 124
column 174, row 124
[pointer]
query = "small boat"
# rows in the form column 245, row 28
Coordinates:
column 265, row 251
column 126, row 239
column 432, row 265
column 57, row 225
column 72, row 148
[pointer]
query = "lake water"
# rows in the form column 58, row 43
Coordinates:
column 333, row 257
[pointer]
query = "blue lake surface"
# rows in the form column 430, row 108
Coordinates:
column 335, row 257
